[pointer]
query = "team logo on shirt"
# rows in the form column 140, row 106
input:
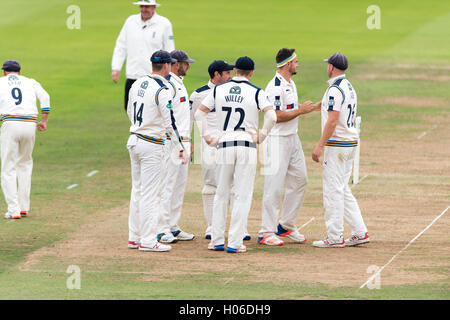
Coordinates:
column 235, row 90
column 331, row 102
column 144, row 85
column 182, row 99
column 277, row 102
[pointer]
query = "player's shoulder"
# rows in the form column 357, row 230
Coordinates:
column 202, row 89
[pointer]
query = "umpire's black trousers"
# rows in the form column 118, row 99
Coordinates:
column 128, row 85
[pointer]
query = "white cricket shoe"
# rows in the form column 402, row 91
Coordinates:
column 291, row 234
column 167, row 238
column 270, row 240
column 326, row 243
column 133, row 244
column 240, row 250
column 183, row 236
column 355, row 240
column 9, row 216
column 156, row 247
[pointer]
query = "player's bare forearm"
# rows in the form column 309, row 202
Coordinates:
column 42, row 126
column 330, row 126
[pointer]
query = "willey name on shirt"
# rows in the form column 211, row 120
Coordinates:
column 234, row 98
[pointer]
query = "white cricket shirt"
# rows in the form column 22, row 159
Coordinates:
column 283, row 96
column 18, row 96
column 196, row 100
column 181, row 106
column 340, row 96
column 237, row 103
column 149, row 107
column 138, row 40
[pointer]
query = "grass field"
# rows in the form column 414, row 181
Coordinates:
column 401, row 75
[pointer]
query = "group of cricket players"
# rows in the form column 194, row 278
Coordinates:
column 225, row 111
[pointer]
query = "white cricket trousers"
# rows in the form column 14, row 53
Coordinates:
column 175, row 180
column 146, row 173
column 338, row 199
column 284, row 165
column 17, row 143
column 236, row 167
column 209, row 172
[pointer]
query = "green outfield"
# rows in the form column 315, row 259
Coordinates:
column 401, row 75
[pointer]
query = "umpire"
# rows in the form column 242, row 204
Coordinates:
column 141, row 35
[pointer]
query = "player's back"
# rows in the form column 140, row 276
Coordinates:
column 237, row 106
column 342, row 90
column 143, row 106
column 18, row 95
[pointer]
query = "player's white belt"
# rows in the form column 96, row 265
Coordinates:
column 237, row 143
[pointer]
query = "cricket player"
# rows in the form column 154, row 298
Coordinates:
column 338, row 143
column 151, row 114
column 237, row 103
column 219, row 72
column 283, row 156
column 19, row 114
column 175, row 171
column 141, row 35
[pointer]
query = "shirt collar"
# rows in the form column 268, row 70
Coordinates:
column 153, row 19
column 153, row 75
column 333, row 80
column 210, row 84
column 177, row 78
column 282, row 78
column 240, row 79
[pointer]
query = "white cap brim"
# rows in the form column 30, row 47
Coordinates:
column 143, row 3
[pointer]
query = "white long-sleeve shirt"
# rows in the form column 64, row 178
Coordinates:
column 138, row 40
column 18, row 95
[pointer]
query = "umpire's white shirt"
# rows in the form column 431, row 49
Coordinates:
column 18, row 96
column 283, row 96
column 340, row 96
column 237, row 103
column 138, row 40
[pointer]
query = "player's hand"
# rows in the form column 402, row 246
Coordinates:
column 317, row 153
column 306, row 107
column 184, row 157
column 42, row 126
column 317, row 106
column 212, row 142
column 115, row 76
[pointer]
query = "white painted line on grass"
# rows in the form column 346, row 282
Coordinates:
column 90, row 174
column 414, row 239
column 423, row 134
column 306, row 223
column 360, row 180
column 72, row 186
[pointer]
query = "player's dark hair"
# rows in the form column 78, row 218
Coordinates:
column 283, row 54
column 243, row 72
column 157, row 66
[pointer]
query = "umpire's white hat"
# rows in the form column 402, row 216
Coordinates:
column 147, row 3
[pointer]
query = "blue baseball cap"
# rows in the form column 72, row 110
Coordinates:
column 338, row 60
column 245, row 63
column 219, row 66
column 162, row 56
column 11, row 66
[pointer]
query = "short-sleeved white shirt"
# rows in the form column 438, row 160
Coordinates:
column 237, row 103
column 180, row 103
column 283, row 96
column 340, row 96
column 196, row 99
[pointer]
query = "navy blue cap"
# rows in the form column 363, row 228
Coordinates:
column 245, row 63
column 219, row 66
column 162, row 56
column 181, row 56
column 11, row 66
column 338, row 60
